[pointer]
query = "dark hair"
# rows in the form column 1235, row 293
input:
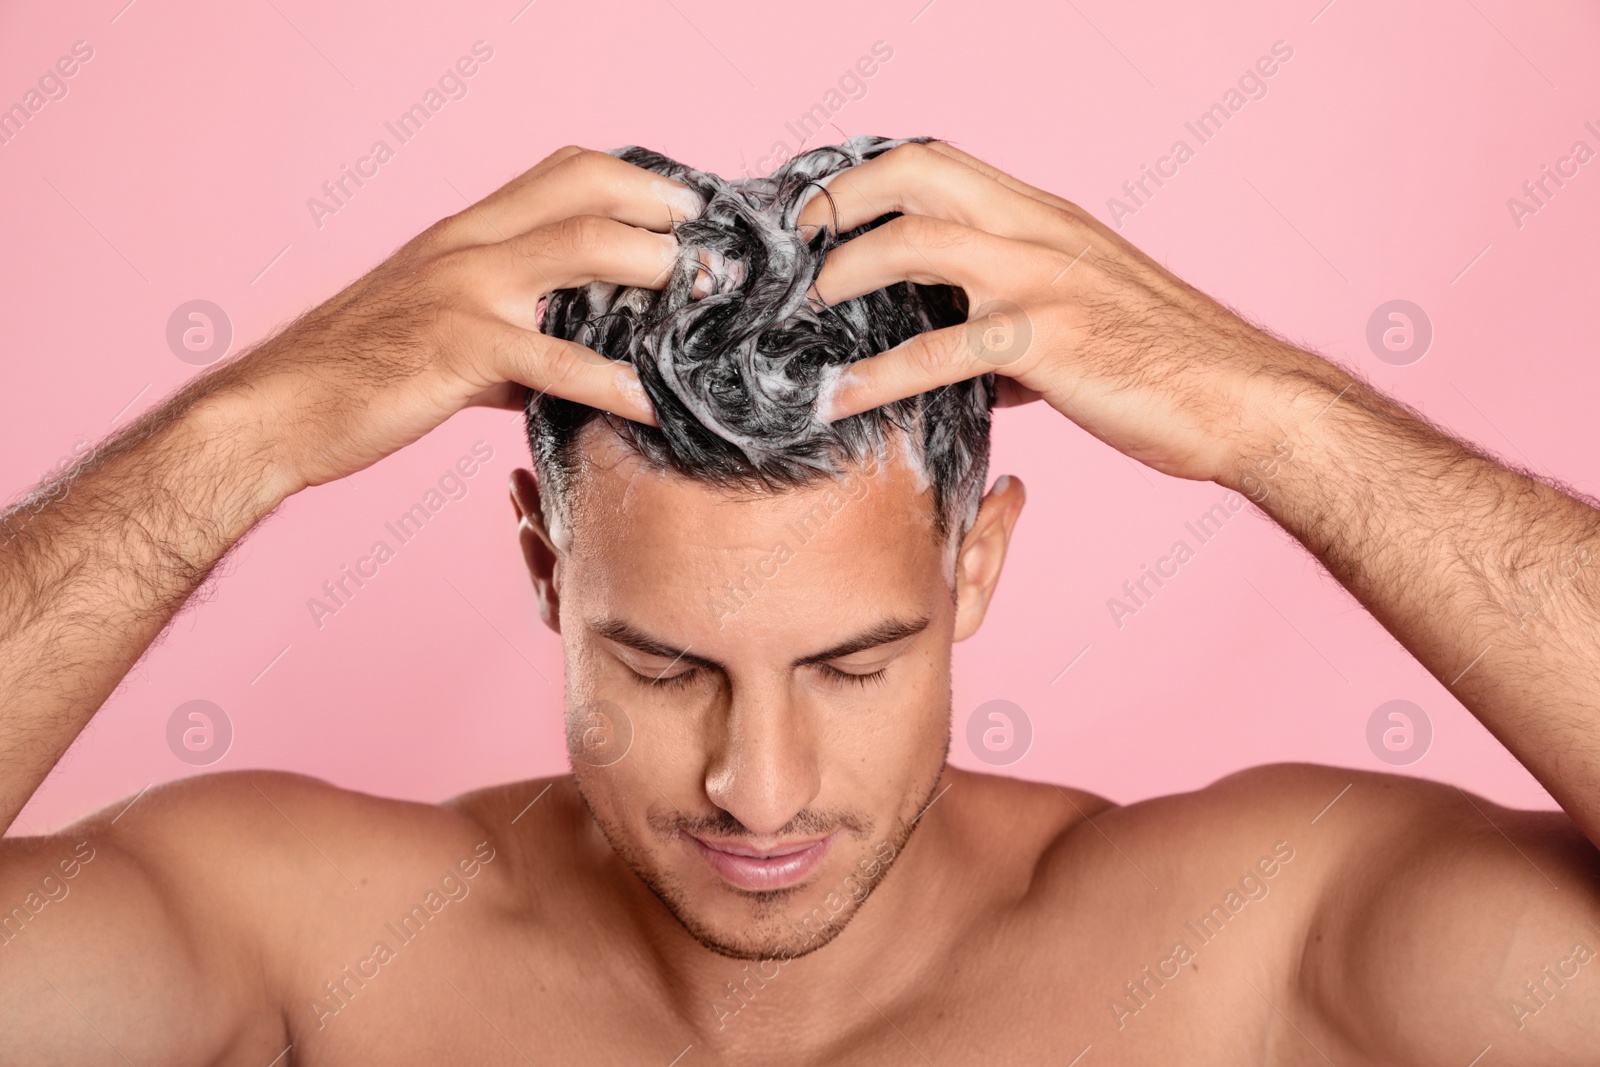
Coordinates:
column 735, row 375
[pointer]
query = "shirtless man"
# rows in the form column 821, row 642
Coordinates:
column 701, row 899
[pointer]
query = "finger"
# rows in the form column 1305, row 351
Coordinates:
column 575, row 182
column 514, row 274
column 1016, row 184
column 508, row 396
column 925, row 362
column 929, row 251
column 917, row 179
column 549, row 365
column 1010, row 393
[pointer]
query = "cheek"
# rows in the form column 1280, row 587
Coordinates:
column 888, row 742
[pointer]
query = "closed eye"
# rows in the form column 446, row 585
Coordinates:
column 656, row 681
column 846, row 677
column 833, row 674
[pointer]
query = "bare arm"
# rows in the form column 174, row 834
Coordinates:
column 1437, row 540
column 1437, row 891
column 94, row 565
column 1486, row 575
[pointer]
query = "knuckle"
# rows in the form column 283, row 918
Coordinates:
column 915, row 154
column 581, row 235
column 928, row 357
column 584, row 164
column 925, row 231
column 452, row 271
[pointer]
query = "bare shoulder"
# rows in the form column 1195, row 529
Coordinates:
column 1358, row 823
column 542, row 830
column 181, row 916
column 241, row 847
column 1393, row 897
column 303, row 826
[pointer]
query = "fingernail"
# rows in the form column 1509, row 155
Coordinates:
column 631, row 388
column 683, row 201
column 1000, row 484
column 717, row 274
column 832, row 382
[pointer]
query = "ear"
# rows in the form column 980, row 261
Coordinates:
column 538, row 549
column 983, row 553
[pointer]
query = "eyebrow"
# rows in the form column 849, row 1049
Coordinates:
column 880, row 633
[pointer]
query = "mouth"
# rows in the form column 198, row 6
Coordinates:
column 763, row 869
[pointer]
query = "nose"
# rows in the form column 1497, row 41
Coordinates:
column 764, row 768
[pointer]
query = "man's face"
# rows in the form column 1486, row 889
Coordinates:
column 758, row 686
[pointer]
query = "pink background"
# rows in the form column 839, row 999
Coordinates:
column 1377, row 167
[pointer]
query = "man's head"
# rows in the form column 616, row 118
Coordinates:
column 757, row 607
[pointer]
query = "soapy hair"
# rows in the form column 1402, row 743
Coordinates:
column 736, row 376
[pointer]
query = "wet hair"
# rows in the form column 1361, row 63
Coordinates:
column 735, row 376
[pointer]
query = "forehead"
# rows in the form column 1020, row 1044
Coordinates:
column 636, row 533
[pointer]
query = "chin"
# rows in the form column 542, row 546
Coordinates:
column 782, row 924
column 777, row 924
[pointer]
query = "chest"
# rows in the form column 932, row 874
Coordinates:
column 1026, row 996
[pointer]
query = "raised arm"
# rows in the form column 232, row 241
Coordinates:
column 163, row 943
column 1447, row 920
column 1490, row 577
column 95, row 563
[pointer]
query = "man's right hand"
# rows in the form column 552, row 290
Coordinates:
column 449, row 320
column 94, row 564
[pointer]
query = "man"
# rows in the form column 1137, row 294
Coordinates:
column 763, row 855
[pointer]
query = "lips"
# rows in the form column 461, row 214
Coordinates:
column 760, row 870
